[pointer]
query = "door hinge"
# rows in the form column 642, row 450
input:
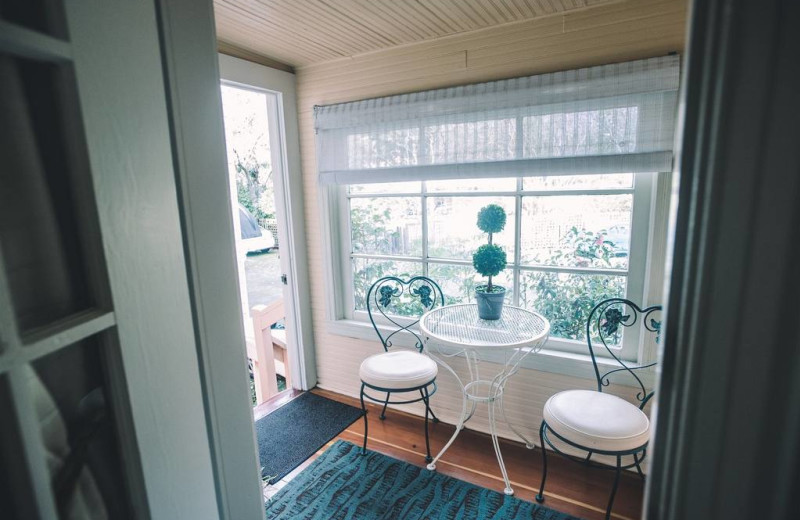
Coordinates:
column 284, row 279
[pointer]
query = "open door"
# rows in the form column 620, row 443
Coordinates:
column 263, row 163
column 263, row 258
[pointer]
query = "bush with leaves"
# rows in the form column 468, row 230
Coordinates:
column 567, row 299
column 254, row 187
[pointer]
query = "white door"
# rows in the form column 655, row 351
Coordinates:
column 100, row 394
column 278, row 90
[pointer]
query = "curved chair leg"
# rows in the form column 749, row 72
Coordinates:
column 366, row 425
column 425, row 397
column 614, row 489
column 433, row 415
column 540, row 496
column 638, row 467
column 385, row 404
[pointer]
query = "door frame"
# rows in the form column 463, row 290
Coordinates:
column 725, row 442
column 194, row 103
column 285, row 150
column 192, row 81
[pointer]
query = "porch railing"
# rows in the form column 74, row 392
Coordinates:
column 268, row 351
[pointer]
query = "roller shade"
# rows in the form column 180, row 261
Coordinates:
column 606, row 119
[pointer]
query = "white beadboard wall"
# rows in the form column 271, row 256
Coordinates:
column 608, row 33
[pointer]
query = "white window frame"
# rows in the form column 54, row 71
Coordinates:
column 569, row 357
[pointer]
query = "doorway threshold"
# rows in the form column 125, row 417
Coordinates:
column 275, row 402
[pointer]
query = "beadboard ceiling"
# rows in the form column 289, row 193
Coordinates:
column 304, row 32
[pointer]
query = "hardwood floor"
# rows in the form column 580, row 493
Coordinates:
column 571, row 487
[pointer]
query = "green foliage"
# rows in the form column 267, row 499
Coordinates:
column 489, row 260
column 243, row 195
column 491, row 219
column 369, row 271
column 583, row 248
column 567, row 299
column 371, row 230
column 254, row 188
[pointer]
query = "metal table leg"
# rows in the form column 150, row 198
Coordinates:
column 459, row 427
column 464, row 417
column 528, row 444
column 496, row 443
column 493, row 399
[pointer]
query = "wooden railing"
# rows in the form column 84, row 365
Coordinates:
column 268, row 350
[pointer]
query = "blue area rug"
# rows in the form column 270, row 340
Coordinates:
column 343, row 485
column 295, row 431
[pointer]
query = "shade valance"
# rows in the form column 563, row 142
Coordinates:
column 606, row 119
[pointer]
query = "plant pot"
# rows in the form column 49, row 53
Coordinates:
column 490, row 305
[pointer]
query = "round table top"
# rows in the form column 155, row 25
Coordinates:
column 460, row 326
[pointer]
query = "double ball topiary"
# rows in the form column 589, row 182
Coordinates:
column 491, row 219
column 490, row 258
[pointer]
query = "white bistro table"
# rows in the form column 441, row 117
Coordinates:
column 457, row 331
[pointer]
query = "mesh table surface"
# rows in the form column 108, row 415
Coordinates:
column 459, row 325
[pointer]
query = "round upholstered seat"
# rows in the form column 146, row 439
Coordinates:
column 398, row 370
column 597, row 421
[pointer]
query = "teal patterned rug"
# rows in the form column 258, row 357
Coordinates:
column 343, row 485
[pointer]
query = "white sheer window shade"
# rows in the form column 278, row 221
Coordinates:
column 606, row 119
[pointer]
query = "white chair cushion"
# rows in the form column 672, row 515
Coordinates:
column 597, row 421
column 398, row 370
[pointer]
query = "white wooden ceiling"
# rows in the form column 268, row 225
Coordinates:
column 302, row 32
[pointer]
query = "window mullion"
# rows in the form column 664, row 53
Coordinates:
column 424, row 201
column 345, row 244
column 519, row 152
column 424, row 155
column 517, row 232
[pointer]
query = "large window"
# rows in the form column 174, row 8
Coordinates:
column 571, row 241
column 566, row 154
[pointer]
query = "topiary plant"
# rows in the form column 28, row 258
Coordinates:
column 491, row 219
column 490, row 258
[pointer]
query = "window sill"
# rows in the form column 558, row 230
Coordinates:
column 548, row 360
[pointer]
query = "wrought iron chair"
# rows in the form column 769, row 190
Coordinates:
column 596, row 422
column 400, row 370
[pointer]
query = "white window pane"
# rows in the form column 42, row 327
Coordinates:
column 454, row 185
column 577, row 231
column 386, row 187
column 458, row 282
column 579, row 182
column 368, row 271
column 453, row 230
column 567, row 299
column 386, row 225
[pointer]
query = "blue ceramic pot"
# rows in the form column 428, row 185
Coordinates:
column 490, row 305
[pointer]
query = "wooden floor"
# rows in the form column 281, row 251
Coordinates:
column 571, row 488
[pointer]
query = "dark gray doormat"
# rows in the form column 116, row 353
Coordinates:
column 295, row 431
